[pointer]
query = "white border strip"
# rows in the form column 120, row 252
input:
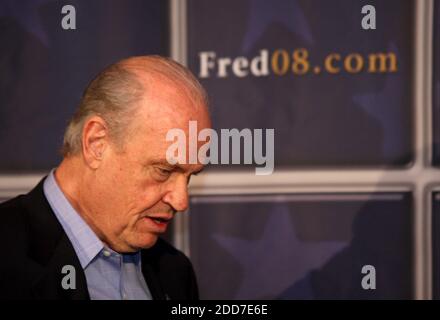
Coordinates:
column 178, row 52
column 423, row 103
column 296, row 198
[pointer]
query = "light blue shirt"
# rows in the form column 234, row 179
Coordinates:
column 109, row 275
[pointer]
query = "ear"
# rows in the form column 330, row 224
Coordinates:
column 94, row 140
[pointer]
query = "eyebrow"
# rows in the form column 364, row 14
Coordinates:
column 199, row 171
column 174, row 166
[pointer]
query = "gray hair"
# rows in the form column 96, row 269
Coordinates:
column 113, row 94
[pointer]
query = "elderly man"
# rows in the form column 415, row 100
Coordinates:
column 89, row 230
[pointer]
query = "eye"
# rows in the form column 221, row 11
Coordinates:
column 164, row 173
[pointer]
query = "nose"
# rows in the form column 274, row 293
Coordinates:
column 177, row 196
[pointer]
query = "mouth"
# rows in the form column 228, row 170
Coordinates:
column 159, row 223
column 160, row 220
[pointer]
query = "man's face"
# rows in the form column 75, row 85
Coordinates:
column 137, row 190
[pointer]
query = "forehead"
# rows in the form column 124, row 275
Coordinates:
column 165, row 105
column 163, row 108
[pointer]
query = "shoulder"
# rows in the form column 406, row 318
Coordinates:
column 13, row 215
column 15, row 228
column 13, row 204
column 16, row 213
column 14, row 271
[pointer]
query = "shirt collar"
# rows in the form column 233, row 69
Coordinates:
column 85, row 242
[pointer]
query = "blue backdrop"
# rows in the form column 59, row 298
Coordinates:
column 320, row 119
column 302, row 246
column 44, row 68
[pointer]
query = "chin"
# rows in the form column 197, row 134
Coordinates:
column 146, row 241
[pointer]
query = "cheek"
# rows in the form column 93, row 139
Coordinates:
column 116, row 194
column 140, row 195
column 130, row 188
column 148, row 196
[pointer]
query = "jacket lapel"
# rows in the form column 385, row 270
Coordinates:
column 152, row 277
column 50, row 251
column 49, row 284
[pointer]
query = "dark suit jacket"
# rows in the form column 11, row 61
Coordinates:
column 34, row 249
